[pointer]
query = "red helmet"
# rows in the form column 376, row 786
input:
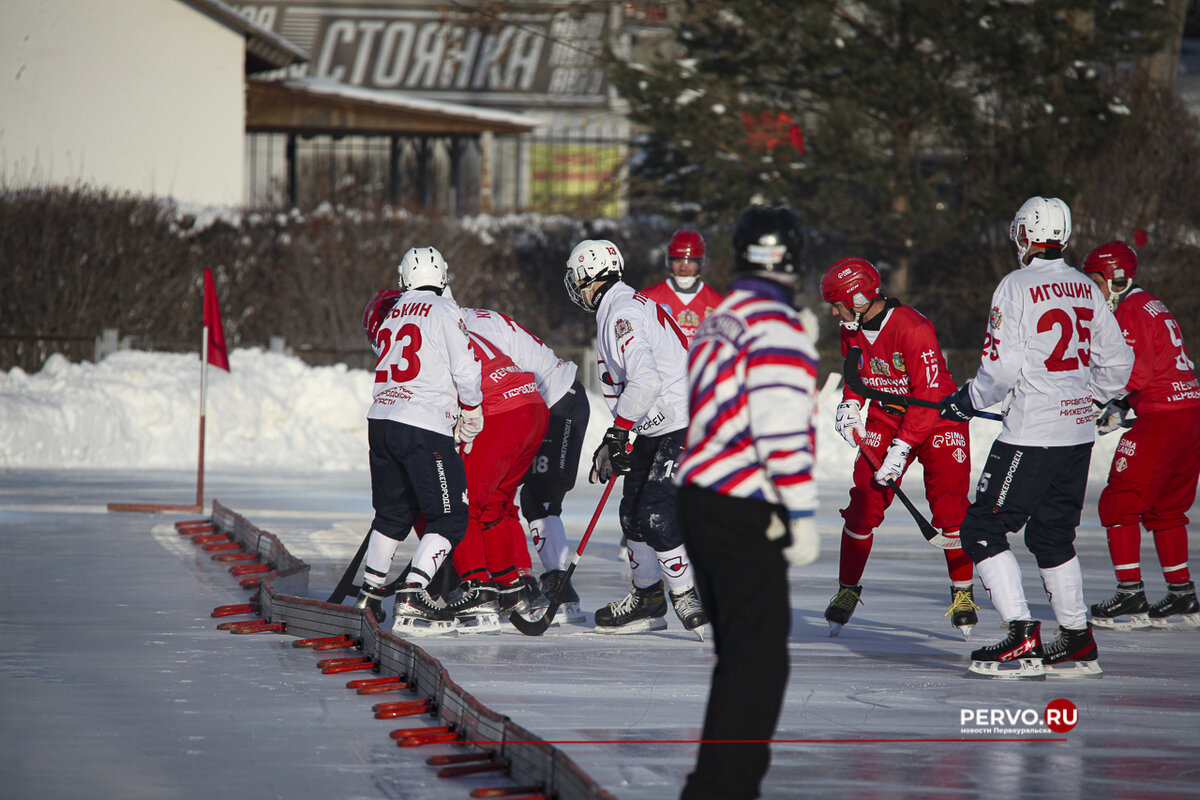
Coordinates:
column 686, row 244
column 1116, row 261
column 854, row 281
column 377, row 309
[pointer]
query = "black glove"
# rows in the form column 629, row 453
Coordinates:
column 614, row 456
column 957, row 405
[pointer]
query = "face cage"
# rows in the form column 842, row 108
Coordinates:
column 575, row 291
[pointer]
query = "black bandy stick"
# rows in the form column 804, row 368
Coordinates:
column 536, row 627
column 346, row 586
column 931, row 534
column 855, row 382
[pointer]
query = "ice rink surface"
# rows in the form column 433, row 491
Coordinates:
column 116, row 683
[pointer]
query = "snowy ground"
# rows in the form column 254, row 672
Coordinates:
column 114, row 681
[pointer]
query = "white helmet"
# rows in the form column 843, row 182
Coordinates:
column 422, row 267
column 1040, row 221
column 592, row 261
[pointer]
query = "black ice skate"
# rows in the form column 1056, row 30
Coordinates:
column 962, row 610
column 475, row 608
column 370, row 599
column 1127, row 610
column 1019, row 656
column 640, row 610
column 841, row 608
column 690, row 611
column 1073, row 654
column 416, row 615
column 1178, row 610
column 524, row 596
column 555, row 585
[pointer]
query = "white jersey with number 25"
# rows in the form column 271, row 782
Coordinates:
column 1052, row 345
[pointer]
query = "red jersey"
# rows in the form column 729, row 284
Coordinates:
column 1163, row 376
column 902, row 356
column 505, row 386
column 688, row 313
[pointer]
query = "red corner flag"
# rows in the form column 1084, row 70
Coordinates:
column 218, row 355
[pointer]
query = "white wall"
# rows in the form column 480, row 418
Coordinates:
column 144, row 96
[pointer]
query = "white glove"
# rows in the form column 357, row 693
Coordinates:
column 806, row 545
column 849, row 420
column 894, row 461
column 470, row 423
column 1110, row 418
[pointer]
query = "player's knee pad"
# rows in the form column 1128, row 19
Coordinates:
column 1121, row 505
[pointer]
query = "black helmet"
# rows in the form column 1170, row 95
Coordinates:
column 768, row 239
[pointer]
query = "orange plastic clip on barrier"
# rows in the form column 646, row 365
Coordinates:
column 192, row 530
column 234, row 556
column 419, row 731
column 470, row 769
column 399, row 704
column 361, row 682
column 348, row 668
column 218, row 547
column 337, row 662
column 191, row 523
column 318, row 640
column 252, row 583
column 421, row 741
column 249, row 569
column 257, row 627
column 524, row 792
column 390, row 687
column 209, row 538
column 343, row 644
column 241, row 608
column 417, row 707
column 513, row 792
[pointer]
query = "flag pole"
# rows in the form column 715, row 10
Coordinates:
column 203, row 409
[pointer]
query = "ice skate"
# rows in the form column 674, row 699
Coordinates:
column 841, row 607
column 416, row 615
column 640, row 610
column 1017, row 657
column 556, row 586
column 1073, row 654
column 690, row 611
column 962, row 610
column 475, row 608
column 370, row 599
column 524, row 597
column 1178, row 610
column 1127, row 610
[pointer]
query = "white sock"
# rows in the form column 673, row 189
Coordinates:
column 1001, row 576
column 1064, row 587
column 676, row 569
column 432, row 551
column 378, row 560
column 550, row 539
column 643, row 561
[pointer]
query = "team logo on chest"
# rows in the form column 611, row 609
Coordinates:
column 688, row 318
column 959, row 455
column 1121, row 464
column 622, row 328
column 898, row 361
column 878, row 366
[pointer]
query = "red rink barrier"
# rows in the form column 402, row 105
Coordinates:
column 282, row 597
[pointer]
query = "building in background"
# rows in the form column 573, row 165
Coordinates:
column 542, row 59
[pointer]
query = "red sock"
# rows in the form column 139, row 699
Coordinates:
column 960, row 566
column 1124, row 542
column 856, row 548
column 1172, row 548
